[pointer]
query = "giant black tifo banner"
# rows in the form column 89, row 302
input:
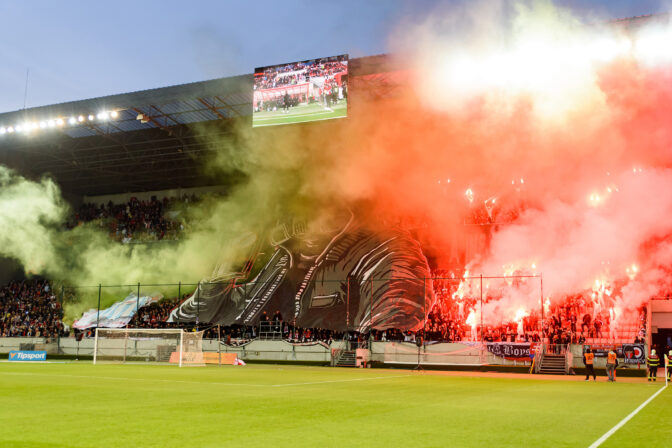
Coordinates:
column 344, row 277
column 510, row 350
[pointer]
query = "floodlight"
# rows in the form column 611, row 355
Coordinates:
column 80, row 118
column 10, row 129
column 59, row 122
column 51, row 123
column 91, row 117
column 43, row 124
column 3, row 130
column 72, row 120
column 114, row 114
column 103, row 116
column 19, row 128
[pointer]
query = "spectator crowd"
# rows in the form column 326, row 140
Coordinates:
column 30, row 309
column 136, row 220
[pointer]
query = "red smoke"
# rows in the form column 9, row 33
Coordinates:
column 589, row 181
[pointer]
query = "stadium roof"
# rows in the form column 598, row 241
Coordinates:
column 151, row 144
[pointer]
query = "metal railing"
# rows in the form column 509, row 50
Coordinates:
column 569, row 359
column 539, row 357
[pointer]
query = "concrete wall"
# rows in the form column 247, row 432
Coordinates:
column 254, row 351
column 661, row 314
column 438, row 354
column 599, row 363
column 278, row 351
column 383, row 352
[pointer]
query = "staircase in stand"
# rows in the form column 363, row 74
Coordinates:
column 348, row 358
column 553, row 364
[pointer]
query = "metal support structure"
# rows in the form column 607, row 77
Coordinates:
column 371, row 316
column 481, row 331
column 181, row 343
column 179, row 300
column 347, row 307
column 421, row 341
column 296, row 312
column 198, row 304
column 424, row 308
column 212, row 108
column 58, row 335
column 137, row 303
column 100, row 288
column 219, row 344
column 95, row 347
column 542, row 306
column 125, row 345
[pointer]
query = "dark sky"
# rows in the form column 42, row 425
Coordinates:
column 81, row 49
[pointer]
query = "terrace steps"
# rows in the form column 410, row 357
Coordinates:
column 553, row 364
column 348, row 358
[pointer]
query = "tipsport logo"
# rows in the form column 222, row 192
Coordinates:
column 16, row 355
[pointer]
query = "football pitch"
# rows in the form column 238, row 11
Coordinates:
column 300, row 114
column 82, row 405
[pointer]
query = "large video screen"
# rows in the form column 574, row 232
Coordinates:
column 297, row 92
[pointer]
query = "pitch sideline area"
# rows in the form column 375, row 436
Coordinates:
column 82, row 405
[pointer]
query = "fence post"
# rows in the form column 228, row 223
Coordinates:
column 296, row 312
column 481, row 308
column 219, row 344
column 541, row 280
column 347, row 307
column 424, row 309
column 371, row 318
column 100, row 287
column 137, row 303
column 198, row 304
column 179, row 300
column 62, row 308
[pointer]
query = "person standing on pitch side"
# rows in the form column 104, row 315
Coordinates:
column 588, row 360
column 652, row 362
column 668, row 364
column 612, row 363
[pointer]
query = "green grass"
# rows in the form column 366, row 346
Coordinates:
column 82, row 405
column 299, row 114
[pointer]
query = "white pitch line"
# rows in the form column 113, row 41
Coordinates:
column 120, row 378
column 155, row 380
column 341, row 381
column 620, row 424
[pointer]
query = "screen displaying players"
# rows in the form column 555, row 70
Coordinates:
column 297, row 92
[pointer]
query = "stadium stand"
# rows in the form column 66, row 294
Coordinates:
column 30, row 309
column 136, row 220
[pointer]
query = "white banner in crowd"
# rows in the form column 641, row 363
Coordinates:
column 118, row 315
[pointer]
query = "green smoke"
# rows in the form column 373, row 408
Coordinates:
column 222, row 230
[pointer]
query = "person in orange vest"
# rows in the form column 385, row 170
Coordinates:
column 612, row 363
column 588, row 360
column 652, row 363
